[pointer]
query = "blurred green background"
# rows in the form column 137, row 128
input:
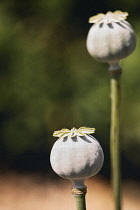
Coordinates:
column 48, row 81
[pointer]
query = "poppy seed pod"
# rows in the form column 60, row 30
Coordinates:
column 76, row 155
column 111, row 38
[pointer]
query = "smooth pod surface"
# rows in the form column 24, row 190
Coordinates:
column 77, row 157
column 111, row 42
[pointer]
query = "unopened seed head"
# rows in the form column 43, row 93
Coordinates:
column 110, row 38
column 76, row 155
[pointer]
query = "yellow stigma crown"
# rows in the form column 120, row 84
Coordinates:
column 109, row 17
column 73, row 132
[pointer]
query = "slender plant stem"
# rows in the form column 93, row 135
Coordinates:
column 79, row 195
column 114, row 138
column 80, row 202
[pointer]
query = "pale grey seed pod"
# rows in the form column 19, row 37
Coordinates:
column 76, row 157
column 110, row 38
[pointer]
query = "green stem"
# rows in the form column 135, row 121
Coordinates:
column 114, row 138
column 79, row 195
column 80, row 202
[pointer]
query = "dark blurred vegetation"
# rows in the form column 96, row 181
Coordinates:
column 48, row 81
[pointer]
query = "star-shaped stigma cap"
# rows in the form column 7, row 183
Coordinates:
column 73, row 132
column 109, row 17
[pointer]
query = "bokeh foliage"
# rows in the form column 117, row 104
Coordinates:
column 48, row 80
